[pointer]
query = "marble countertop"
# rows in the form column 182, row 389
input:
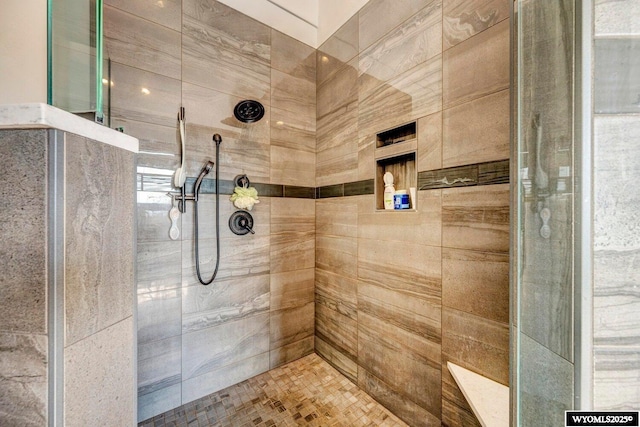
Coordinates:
column 488, row 399
column 38, row 115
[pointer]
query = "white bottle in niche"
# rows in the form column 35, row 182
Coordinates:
column 389, row 190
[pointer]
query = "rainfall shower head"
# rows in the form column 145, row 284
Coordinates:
column 248, row 111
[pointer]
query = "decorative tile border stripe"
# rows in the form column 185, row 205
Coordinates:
column 465, row 176
column 488, row 173
column 356, row 188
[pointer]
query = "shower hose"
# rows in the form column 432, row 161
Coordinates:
column 217, row 139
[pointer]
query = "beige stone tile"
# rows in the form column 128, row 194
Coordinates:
column 378, row 17
column 292, row 251
column 99, row 376
column 159, row 364
column 416, row 40
column 549, row 380
column 291, row 352
column 292, row 288
column 476, row 218
column 23, row 284
column 415, row 93
column 338, row 165
column 225, row 50
column 137, row 42
column 289, row 214
column 339, row 90
column 293, row 94
column 292, row 167
column 476, row 67
column 207, row 350
column 465, row 18
column 24, row 379
column 154, row 403
column 337, row 292
column 366, row 150
column 159, row 315
column 292, row 56
column 337, row 216
column 476, row 282
column 99, row 241
column 414, row 315
column 476, row 131
column 210, row 382
column 405, row 408
column 340, row 361
column 224, row 301
column 419, row 227
column 159, row 106
column 616, row 17
column 159, row 145
column 292, row 130
column 167, row 12
column 430, row 142
column 337, row 50
column 337, row 254
column 336, row 329
column 409, row 268
column 292, row 234
column 409, row 362
column 290, row 325
column 246, row 257
column 478, row 344
column 158, row 266
column 337, row 132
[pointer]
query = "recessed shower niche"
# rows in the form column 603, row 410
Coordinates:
column 395, row 152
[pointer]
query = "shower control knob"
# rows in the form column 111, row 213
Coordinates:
column 241, row 223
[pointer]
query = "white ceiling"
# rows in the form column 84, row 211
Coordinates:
column 310, row 21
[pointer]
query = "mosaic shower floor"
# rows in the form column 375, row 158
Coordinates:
column 306, row 392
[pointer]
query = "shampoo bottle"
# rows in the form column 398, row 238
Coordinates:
column 389, row 190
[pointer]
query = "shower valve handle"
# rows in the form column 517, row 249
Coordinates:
column 245, row 224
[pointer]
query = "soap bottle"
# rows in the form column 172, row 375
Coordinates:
column 389, row 190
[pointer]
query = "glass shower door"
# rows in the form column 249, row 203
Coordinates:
column 543, row 219
column 75, row 57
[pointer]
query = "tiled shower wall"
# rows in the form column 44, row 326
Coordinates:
column 258, row 313
column 87, row 281
column 616, row 223
column 399, row 294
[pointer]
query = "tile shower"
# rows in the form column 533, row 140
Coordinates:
column 316, row 273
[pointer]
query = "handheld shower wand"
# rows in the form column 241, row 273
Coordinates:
column 204, row 172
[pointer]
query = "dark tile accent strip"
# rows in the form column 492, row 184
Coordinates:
column 460, row 176
column 488, row 173
column 359, row 188
column 269, row 190
column 209, row 186
column 299, row 192
column 493, row 173
column 336, row 190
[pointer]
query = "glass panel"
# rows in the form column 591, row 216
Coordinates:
column 75, row 50
column 543, row 312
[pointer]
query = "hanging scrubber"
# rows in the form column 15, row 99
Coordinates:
column 245, row 197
